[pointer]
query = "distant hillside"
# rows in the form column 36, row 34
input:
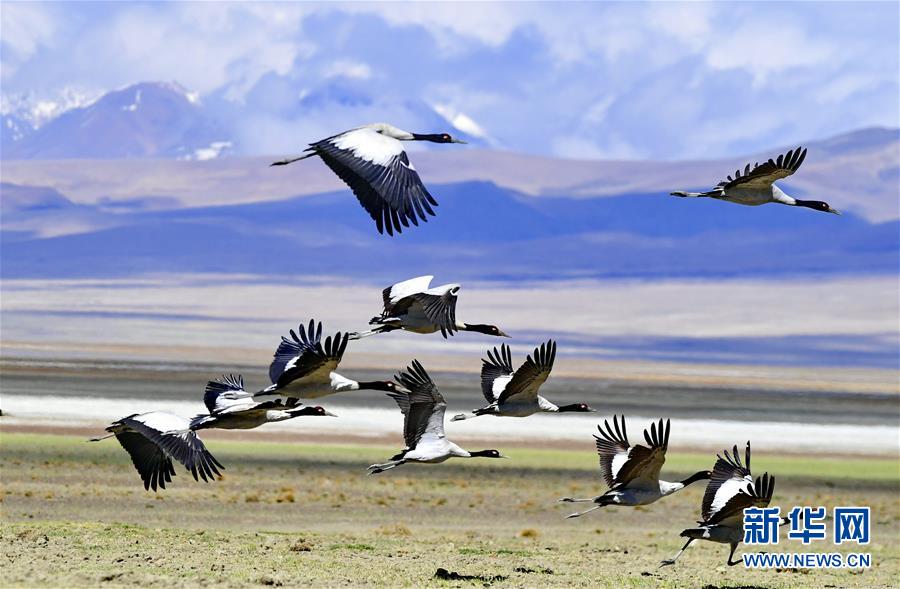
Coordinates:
column 481, row 231
column 858, row 172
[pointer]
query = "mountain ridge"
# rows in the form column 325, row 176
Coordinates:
column 481, row 231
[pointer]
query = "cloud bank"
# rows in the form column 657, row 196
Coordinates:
column 611, row 80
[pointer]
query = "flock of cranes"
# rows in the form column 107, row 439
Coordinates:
column 372, row 162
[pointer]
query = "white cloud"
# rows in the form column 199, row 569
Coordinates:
column 587, row 80
column 767, row 47
column 26, row 26
column 461, row 121
column 841, row 87
column 581, row 148
column 489, row 23
column 690, row 23
column 345, row 68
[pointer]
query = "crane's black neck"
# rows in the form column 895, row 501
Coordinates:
column 378, row 385
column 485, row 454
column 481, row 328
column 697, row 476
column 308, row 411
column 575, row 407
column 817, row 205
column 434, row 138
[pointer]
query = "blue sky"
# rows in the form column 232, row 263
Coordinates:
column 590, row 80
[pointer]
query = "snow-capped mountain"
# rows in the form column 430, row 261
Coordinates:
column 143, row 120
column 162, row 120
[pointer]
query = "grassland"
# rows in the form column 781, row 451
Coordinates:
column 75, row 514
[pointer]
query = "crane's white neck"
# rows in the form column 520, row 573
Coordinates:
column 274, row 415
column 547, row 406
column 778, row 195
column 667, row 488
column 341, row 383
column 391, row 131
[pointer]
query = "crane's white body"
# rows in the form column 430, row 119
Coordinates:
column 641, row 493
column 434, row 449
column 423, row 410
column 515, row 407
column 313, row 386
column 378, row 143
column 515, row 393
column 632, row 471
column 231, row 407
column 244, row 418
column 721, row 533
column 414, row 318
column 755, row 197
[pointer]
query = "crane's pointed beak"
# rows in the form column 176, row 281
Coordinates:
column 329, row 414
column 504, row 334
column 835, row 211
column 459, row 141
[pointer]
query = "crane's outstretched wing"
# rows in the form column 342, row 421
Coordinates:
column 305, row 355
column 154, row 466
column 440, row 307
column 730, row 480
column 397, row 292
column 529, row 377
column 226, row 394
column 170, row 434
column 765, row 174
column 622, row 463
column 753, row 494
column 377, row 170
column 423, row 406
column 496, row 372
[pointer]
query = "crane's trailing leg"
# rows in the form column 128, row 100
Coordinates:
column 685, row 194
column 671, row 561
column 580, row 513
column 377, row 468
column 101, row 438
column 380, row 329
column 292, row 160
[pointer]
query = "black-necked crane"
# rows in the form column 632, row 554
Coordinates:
column 515, row 394
column 423, row 410
column 413, row 305
column 304, row 366
column 154, row 439
column 232, row 407
column 756, row 186
column 730, row 490
column 632, row 472
column 372, row 162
